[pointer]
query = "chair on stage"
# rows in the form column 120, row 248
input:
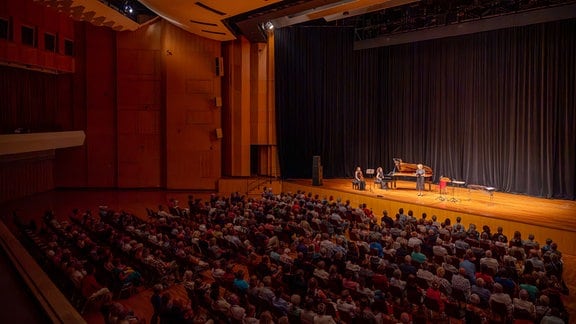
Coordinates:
column 358, row 185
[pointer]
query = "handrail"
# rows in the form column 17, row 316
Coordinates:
column 50, row 298
column 259, row 181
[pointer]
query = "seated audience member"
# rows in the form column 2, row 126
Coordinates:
column 475, row 314
column 433, row 292
column 91, row 288
column 320, row 271
column 461, row 282
column 424, row 273
column 344, row 303
column 266, row 292
column 490, row 262
column 308, row 314
column 444, row 285
column 536, row 261
column 530, row 286
column 469, row 266
column 531, row 243
column 546, row 247
column 499, row 296
column 278, row 302
column 407, row 268
column 237, row 312
column 500, row 236
column 554, row 317
column 486, row 274
column 503, row 278
column 240, row 284
column 543, row 307
column 321, row 316
column 480, row 290
column 396, row 280
column 418, row 256
column 126, row 274
column 523, row 307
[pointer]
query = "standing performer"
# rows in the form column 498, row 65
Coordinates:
column 420, row 173
column 359, row 178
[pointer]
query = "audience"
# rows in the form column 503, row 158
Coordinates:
column 340, row 261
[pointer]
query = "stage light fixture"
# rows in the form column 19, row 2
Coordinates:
column 128, row 8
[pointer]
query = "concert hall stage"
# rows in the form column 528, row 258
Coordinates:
column 542, row 217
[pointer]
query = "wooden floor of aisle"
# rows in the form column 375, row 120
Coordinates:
column 542, row 217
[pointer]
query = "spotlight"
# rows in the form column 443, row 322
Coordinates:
column 128, row 8
column 269, row 25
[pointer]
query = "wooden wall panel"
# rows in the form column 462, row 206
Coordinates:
column 138, row 62
column 193, row 153
column 258, row 93
column 70, row 169
column 237, row 117
column 100, row 106
column 139, row 106
column 135, row 93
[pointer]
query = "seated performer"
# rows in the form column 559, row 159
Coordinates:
column 359, row 179
column 380, row 177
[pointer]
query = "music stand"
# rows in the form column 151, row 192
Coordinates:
column 370, row 173
column 456, row 183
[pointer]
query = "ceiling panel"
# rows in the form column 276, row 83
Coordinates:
column 205, row 17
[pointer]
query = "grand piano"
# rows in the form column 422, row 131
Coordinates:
column 407, row 171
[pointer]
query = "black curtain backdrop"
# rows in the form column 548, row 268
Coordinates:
column 494, row 108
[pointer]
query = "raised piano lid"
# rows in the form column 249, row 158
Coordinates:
column 404, row 167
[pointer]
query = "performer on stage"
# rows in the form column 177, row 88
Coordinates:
column 420, row 173
column 380, row 177
column 359, row 178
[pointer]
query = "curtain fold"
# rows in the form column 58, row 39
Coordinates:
column 33, row 100
column 493, row 108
